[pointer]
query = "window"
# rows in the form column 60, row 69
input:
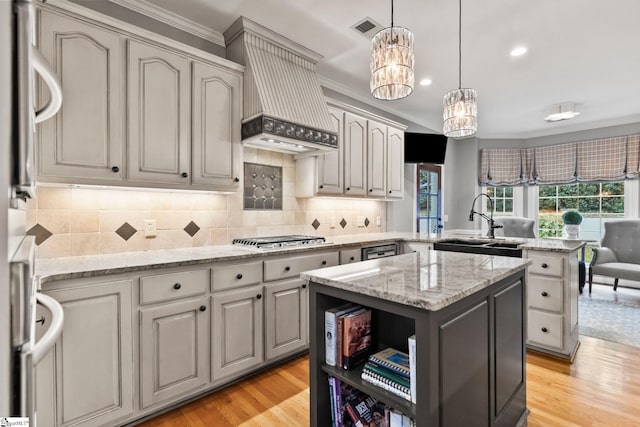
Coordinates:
column 503, row 200
column 429, row 198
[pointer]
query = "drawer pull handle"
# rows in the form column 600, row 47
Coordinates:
column 371, row 190
column 544, row 294
column 324, row 262
column 389, row 191
column 304, row 286
column 348, row 188
column 322, row 186
column 239, row 276
column 203, row 308
column 115, row 169
column 544, row 329
column 177, row 286
column 544, row 265
column 258, row 296
column 236, row 179
column 287, row 268
column 352, row 258
column 184, row 175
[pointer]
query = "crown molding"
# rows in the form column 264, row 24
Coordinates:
column 163, row 15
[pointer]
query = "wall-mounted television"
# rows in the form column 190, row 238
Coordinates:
column 424, row 147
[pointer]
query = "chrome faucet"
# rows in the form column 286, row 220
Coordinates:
column 492, row 224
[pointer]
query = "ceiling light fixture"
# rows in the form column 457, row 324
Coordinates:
column 392, row 63
column 460, row 105
column 519, row 51
column 564, row 111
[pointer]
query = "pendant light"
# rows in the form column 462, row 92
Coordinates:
column 460, row 105
column 392, row 63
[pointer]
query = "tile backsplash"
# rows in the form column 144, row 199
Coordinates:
column 70, row 221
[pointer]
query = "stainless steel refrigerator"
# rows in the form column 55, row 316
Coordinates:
column 20, row 62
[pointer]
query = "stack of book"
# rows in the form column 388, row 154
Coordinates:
column 390, row 369
column 347, row 335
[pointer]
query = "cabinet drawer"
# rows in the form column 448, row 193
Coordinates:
column 545, row 329
column 163, row 287
column 545, row 293
column 235, row 276
column 546, row 264
column 350, row 255
column 278, row 269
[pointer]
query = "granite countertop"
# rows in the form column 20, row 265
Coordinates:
column 428, row 280
column 99, row 265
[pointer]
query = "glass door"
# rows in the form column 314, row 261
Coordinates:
column 429, row 198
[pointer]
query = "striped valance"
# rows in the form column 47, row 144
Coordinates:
column 608, row 159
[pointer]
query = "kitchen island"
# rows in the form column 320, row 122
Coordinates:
column 467, row 312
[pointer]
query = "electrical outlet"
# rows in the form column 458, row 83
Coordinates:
column 150, row 228
column 332, row 222
column 378, row 223
column 360, row 221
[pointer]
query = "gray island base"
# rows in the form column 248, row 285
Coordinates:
column 467, row 312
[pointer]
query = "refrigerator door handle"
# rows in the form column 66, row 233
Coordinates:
column 48, row 340
column 47, row 73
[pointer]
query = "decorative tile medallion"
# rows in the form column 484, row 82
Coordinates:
column 40, row 233
column 366, row 222
column 262, row 187
column 192, row 228
column 315, row 224
column 343, row 223
column 126, row 231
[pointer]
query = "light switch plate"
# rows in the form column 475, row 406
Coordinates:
column 360, row 221
column 332, row 222
column 150, row 228
column 378, row 220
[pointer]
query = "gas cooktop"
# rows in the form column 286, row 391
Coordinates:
column 272, row 242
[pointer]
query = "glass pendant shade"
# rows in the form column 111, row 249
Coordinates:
column 392, row 63
column 460, row 113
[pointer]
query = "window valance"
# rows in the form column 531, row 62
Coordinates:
column 608, row 159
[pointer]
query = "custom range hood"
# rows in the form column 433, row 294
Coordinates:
column 283, row 105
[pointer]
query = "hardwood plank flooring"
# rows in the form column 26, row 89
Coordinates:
column 601, row 388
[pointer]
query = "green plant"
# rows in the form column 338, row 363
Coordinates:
column 572, row 217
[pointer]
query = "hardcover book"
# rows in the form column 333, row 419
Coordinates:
column 331, row 331
column 356, row 338
column 393, row 359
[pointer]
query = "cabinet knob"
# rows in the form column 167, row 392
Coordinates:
column 236, row 179
column 203, row 308
column 41, row 320
column 115, row 169
column 348, row 188
column 352, row 258
column 544, row 294
column 371, row 190
column 324, row 263
column 322, row 186
column 287, row 268
column 544, row 329
column 544, row 265
column 258, row 296
column 389, row 191
column 184, row 175
column 304, row 286
column 239, row 276
column 177, row 286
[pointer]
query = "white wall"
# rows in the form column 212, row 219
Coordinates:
column 401, row 214
column 460, row 183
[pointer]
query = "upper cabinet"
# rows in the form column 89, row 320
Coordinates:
column 368, row 163
column 137, row 112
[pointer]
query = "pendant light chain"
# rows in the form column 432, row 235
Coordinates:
column 459, row 44
column 391, row 13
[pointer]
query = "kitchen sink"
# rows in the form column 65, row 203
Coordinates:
column 479, row 247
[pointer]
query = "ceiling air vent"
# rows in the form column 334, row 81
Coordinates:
column 367, row 27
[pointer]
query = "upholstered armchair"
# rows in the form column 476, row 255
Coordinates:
column 619, row 253
column 513, row 226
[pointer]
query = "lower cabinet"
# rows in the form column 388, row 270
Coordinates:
column 174, row 349
column 237, row 336
column 90, row 369
column 286, row 318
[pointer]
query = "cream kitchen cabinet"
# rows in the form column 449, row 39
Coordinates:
column 84, row 142
column 395, row 163
column 286, row 318
column 552, row 300
column 376, row 159
column 87, row 379
column 348, row 256
column 331, row 165
column 355, row 155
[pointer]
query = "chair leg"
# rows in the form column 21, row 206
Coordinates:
column 590, row 278
column 615, row 284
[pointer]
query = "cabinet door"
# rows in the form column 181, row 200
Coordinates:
column 216, row 127
column 355, row 152
column 395, row 163
column 237, row 344
column 84, row 140
column 286, row 318
column 45, row 390
column 376, row 154
column 158, row 94
column 174, row 349
column 95, row 348
column 330, row 165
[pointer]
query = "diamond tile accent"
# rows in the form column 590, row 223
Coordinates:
column 343, row 223
column 366, row 222
column 126, row 231
column 315, row 224
column 192, row 228
column 41, row 234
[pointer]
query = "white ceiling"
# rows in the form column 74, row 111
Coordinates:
column 581, row 51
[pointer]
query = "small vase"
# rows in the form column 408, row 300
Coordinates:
column 572, row 231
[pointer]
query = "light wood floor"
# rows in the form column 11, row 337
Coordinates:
column 601, row 388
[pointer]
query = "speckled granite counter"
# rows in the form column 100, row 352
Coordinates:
column 429, row 280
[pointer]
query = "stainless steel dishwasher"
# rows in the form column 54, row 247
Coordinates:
column 380, row 251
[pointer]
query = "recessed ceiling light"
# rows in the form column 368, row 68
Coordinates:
column 519, row 51
column 425, row 82
column 564, row 111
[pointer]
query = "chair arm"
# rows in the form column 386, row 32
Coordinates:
column 603, row 255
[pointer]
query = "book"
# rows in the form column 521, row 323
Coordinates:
column 405, row 375
column 331, row 330
column 332, row 399
column 412, row 366
column 386, row 374
column 356, row 340
column 392, row 359
column 402, row 392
